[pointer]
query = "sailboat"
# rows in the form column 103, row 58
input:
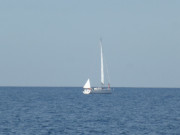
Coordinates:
column 98, row 90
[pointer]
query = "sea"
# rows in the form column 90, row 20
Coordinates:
column 67, row 111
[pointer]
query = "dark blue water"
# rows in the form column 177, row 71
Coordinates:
column 57, row 111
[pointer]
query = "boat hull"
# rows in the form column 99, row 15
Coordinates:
column 86, row 91
column 101, row 91
column 97, row 91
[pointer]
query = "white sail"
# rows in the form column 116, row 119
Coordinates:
column 87, row 85
column 102, row 66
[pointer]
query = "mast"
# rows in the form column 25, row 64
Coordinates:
column 102, row 65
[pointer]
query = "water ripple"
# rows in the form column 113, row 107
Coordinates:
column 52, row 111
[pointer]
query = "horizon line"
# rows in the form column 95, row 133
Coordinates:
column 95, row 86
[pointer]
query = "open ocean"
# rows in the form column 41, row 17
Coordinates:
column 66, row 110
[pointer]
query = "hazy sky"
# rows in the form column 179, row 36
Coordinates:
column 56, row 43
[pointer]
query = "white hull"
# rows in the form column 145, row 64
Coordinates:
column 101, row 91
column 86, row 91
column 97, row 91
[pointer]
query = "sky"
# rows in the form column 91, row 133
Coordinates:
column 56, row 43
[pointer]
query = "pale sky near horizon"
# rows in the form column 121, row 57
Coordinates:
column 56, row 43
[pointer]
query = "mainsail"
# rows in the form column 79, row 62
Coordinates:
column 87, row 85
column 102, row 67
